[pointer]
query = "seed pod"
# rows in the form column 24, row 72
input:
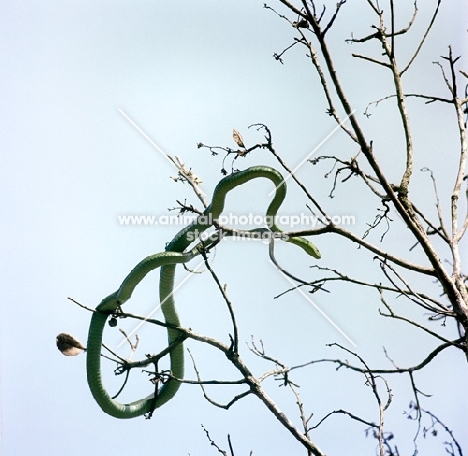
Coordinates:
column 238, row 138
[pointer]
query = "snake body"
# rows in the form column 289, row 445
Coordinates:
column 174, row 254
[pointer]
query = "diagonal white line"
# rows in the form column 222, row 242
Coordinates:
column 324, row 315
column 314, row 150
column 180, row 168
column 161, row 303
column 147, row 137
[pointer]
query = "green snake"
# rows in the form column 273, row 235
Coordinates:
column 174, row 254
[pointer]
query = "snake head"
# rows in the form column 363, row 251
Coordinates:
column 306, row 245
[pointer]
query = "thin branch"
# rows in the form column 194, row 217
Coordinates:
column 449, row 431
column 270, row 147
column 378, row 286
column 222, row 289
column 421, row 43
column 332, row 111
column 354, row 170
column 331, row 228
column 214, row 444
column 409, row 293
column 304, row 419
column 187, row 175
column 372, row 60
column 457, row 343
column 392, row 314
column 291, row 7
column 352, row 416
column 333, row 18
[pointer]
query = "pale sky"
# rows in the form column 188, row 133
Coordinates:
column 188, row 72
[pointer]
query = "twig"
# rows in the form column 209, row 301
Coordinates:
column 457, row 343
column 187, row 175
column 205, row 395
column 222, row 289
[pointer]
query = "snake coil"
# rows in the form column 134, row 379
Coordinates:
column 174, row 254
